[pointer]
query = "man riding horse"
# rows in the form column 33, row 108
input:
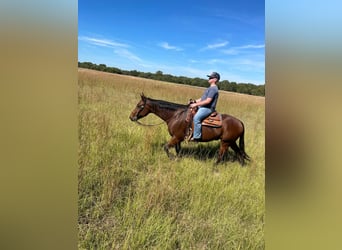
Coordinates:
column 206, row 105
column 228, row 129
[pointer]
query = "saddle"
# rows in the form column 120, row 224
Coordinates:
column 213, row 120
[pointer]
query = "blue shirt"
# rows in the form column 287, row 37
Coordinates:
column 211, row 92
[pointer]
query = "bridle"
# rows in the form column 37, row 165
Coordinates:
column 141, row 108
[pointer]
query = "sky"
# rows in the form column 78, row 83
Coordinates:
column 181, row 38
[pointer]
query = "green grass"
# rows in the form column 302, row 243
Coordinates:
column 131, row 196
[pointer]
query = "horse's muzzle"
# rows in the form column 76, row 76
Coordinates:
column 133, row 118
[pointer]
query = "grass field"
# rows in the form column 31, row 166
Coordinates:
column 131, row 196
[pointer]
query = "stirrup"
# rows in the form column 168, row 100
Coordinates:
column 189, row 135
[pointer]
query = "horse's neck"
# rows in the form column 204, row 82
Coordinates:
column 163, row 113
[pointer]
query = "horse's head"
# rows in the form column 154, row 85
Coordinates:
column 141, row 110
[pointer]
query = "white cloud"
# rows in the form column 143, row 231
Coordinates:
column 103, row 42
column 252, row 64
column 215, row 45
column 252, row 46
column 242, row 49
column 193, row 61
column 166, row 45
column 214, row 61
column 231, row 51
column 128, row 55
column 120, row 49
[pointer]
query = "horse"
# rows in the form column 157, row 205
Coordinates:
column 175, row 115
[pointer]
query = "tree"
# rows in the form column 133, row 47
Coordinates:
column 225, row 85
column 102, row 67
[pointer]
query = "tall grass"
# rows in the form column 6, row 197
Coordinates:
column 131, row 196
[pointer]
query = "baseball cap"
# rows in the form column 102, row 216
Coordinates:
column 214, row 75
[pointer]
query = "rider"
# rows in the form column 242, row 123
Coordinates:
column 207, row 104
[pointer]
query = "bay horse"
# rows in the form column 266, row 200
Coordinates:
column 175, row 116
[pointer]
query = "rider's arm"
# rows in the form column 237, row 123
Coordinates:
column 201, row 103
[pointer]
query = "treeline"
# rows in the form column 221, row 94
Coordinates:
column 244, row 88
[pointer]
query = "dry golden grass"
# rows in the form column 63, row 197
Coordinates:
column 131, row 196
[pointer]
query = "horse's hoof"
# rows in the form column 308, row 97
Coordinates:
column 171, row 157
column 216, row 172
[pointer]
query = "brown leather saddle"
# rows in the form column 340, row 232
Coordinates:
column 213, row 120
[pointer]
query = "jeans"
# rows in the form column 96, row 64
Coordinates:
column 199, row 116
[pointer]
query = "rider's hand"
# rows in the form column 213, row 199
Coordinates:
column 191, row 101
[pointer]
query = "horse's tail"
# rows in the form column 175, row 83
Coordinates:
column 242, row 144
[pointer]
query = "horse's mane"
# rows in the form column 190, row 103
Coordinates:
column 168, row 105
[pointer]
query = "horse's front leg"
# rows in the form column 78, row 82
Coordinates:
column 172, row 143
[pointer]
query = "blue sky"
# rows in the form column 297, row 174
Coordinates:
column 182, row 38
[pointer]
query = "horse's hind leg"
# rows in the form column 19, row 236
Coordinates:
column 178, row 147
column 223, row 149
column 238, row 153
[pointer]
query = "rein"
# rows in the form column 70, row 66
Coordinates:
column 142, row 124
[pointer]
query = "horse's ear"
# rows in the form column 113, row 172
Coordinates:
column 143, row 97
